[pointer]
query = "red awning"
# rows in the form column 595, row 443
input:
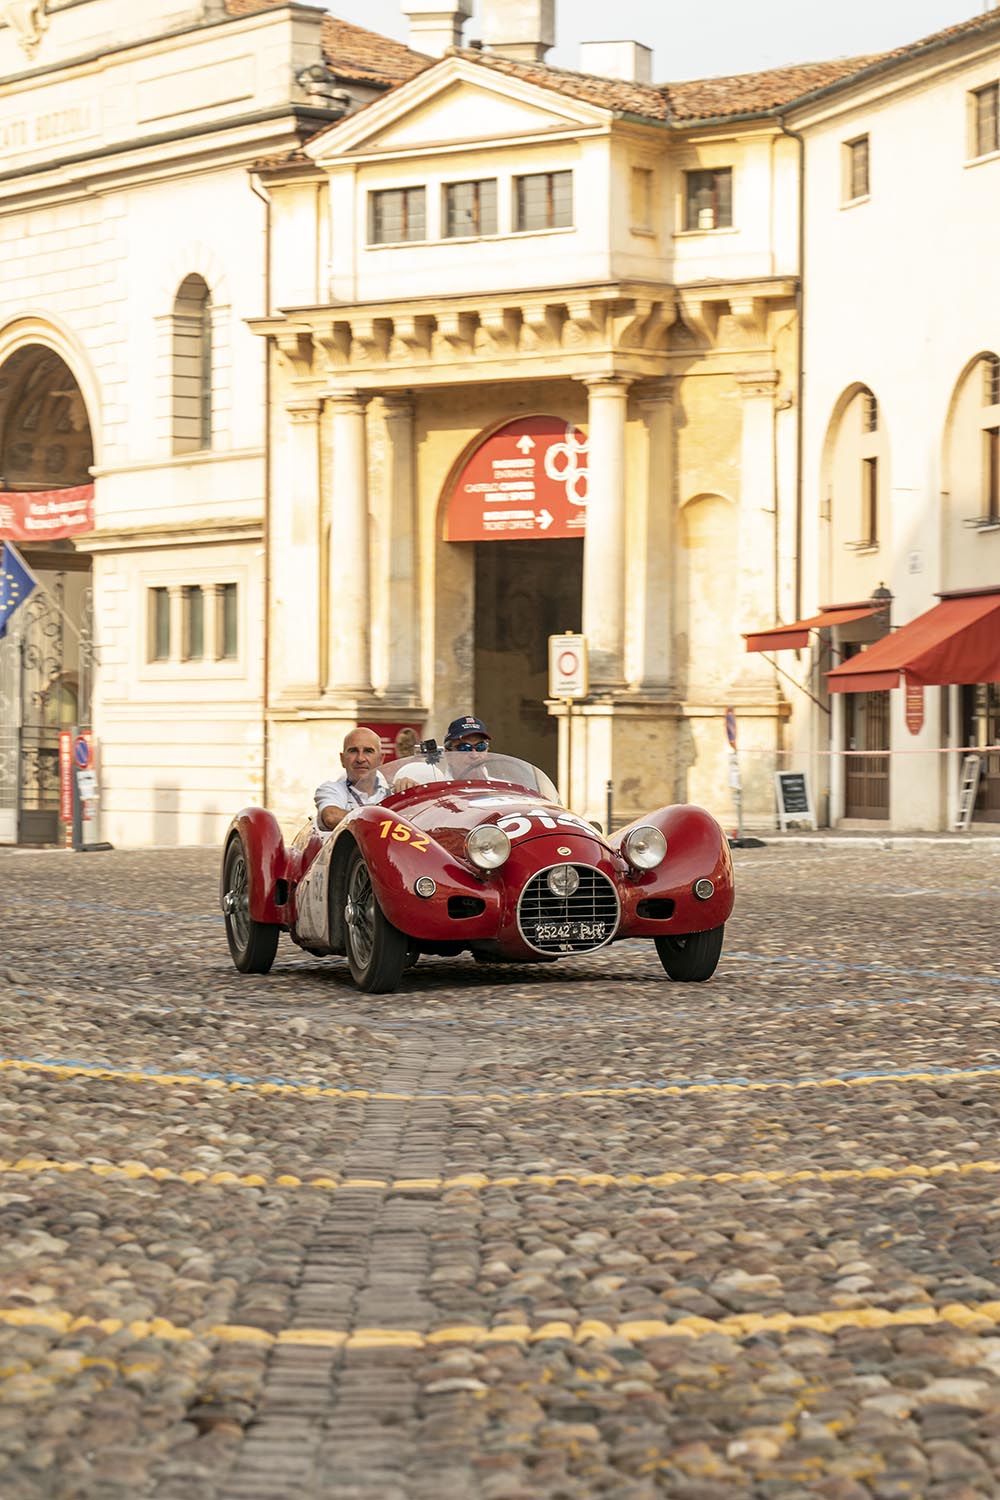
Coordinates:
column 956, row 641
column 784, row 637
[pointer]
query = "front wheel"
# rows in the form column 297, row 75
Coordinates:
column 252, row 944
column 691, row 957
column 376, row 951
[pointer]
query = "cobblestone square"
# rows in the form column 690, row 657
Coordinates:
column 568, row 1231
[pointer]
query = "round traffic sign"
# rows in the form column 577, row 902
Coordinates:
column 81, row 752
column 568, row 663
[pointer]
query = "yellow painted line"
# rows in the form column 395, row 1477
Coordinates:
column 973, row 1317
column 609, row 1091
column 134, row 1171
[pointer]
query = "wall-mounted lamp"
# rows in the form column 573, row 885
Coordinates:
column 882, row 599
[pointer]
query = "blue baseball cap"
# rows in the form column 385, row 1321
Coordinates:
column 459, row 728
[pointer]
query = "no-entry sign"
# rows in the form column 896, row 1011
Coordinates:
column 567, row 666
column 526, row 480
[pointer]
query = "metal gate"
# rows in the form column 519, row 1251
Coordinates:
column 866, row 777
column 46, row 685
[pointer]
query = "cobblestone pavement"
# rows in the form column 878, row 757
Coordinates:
column 572, row 1231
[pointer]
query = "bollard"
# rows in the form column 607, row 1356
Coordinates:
column 609, row 805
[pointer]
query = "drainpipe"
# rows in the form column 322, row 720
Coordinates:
column 800, row 302
column 264, row 197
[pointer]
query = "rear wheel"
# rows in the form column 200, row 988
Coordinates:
column 376, row 951
column 252, row 944
column 692, row 956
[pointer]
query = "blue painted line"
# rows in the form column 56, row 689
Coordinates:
column 850, row 1075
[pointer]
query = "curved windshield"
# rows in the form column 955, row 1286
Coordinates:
column 467, row 766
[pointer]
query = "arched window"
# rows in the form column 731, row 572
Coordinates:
column 192, row 366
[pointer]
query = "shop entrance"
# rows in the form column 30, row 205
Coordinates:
column 866, row 790
column 525, row 592
column 981, row 727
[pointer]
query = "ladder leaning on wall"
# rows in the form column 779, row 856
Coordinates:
column 968, row 787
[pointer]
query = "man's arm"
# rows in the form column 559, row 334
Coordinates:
column 331, row 804
column 330, row 816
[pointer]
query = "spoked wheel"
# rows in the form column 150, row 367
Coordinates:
column 252, row 944
column 691, row 957
column 376, row 951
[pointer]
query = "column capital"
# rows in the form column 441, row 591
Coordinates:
column 303, row 412
column 397, row 403
column 656, row 392
column 756, row 384
column 348, row 403
column 619, row 384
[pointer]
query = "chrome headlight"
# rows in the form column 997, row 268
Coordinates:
column 563, row 881
column 488, row 846
column 645, row 847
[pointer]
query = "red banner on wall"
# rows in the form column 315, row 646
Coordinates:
column 46, row 515
column 528, row 479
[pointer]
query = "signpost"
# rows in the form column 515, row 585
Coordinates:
column 568, row 680
column 527, row 480
column 741, row 840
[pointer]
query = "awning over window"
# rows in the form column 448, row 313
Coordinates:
column 786, row 637
column 956, row 641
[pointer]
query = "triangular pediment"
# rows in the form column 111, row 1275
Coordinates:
column 456, row 101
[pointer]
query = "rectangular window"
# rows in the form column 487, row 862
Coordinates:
column 991, row 473
column 709, row 199
column 159, row 624
column 227, row 632
column 642, row 198
column 470, row 209
column 986, row 120
column 194, row 623
column 869, row 501
column 856, row 169
column 397, row 215
column 543, row 200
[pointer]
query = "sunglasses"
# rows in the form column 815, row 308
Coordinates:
column 467, row 745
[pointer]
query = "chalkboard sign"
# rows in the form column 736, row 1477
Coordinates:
column 794, row 803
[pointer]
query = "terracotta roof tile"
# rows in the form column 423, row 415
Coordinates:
column 710, row 98
column 351, row 51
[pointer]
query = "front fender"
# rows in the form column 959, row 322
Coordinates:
column 696, row 848
column 267, row 863
column 396, row 863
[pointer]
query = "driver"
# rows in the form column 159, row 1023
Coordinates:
column 361, row 783
column 466, row 746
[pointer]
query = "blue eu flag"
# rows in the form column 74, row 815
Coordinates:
column 16, row 582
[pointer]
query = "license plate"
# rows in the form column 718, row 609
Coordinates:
column 571, row 932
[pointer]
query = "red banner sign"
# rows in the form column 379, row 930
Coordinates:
column 914, row 704
column 529, row 479
column 398, row 740
column 45, row 515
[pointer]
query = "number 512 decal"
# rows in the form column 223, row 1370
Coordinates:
column 403, row 835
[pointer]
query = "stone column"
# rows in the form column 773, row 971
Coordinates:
column 653, row 540
column 295, row 560
column 348, row 672
column 211, row 595
column 604, row 544
column 758, row 509
column 403, row 633
column 178, row 646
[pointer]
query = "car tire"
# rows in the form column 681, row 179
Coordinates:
column 251, row 944
column 376, row 951
column 692, row 957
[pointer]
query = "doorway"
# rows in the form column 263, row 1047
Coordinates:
column 981, row 727
column 525, row 592
column 866, row 777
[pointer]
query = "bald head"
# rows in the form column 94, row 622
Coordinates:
column 361, row 757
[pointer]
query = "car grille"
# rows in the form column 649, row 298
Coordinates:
column 568, row 924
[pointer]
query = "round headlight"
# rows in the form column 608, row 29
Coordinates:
column 488, row 846
column 563, row 880
column 645, row 847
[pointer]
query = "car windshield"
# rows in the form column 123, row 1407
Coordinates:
column 440, row 765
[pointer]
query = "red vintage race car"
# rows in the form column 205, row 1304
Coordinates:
column 491, row 864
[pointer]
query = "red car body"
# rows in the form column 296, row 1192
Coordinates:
column 359, row 888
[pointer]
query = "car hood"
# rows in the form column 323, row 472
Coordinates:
column 449, row 815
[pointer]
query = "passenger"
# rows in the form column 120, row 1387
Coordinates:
column 466, row 746
column 362, row 782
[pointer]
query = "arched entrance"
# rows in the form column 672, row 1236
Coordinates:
column 520, row 495
column 46, row 655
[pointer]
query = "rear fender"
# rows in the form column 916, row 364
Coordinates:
column 395, row 862
column 267, row 863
